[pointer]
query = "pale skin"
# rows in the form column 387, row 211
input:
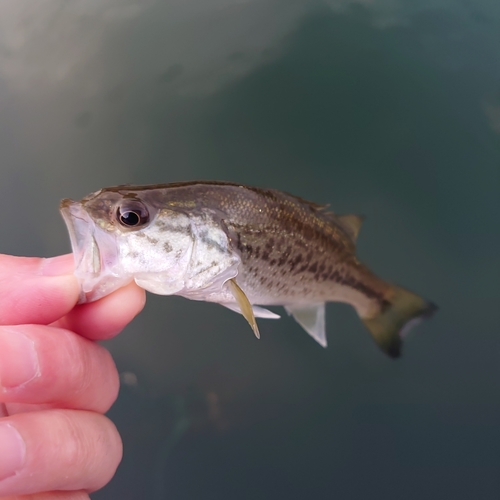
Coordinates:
column 56, row 382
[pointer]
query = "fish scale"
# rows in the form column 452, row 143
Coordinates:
column 240, row 246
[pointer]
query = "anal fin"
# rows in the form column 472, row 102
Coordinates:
column 311, row 317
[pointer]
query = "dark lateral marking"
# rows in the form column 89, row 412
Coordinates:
column 384, row 305
column 313, row 268
column 321, row 274
column 273, row 261
column 151, row 240
column 265, row 255
column 284, row 256
column 295, row 261
column 303, row 268
column 167, row 247
column 270, row 244
column 335, row 276
column 357, row 285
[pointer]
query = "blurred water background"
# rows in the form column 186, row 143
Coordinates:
column 388, row 108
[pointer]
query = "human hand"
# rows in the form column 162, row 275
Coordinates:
column 55, row 381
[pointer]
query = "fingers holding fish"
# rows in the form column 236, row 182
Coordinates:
column 106, row 317
column 54, row 266
column 52, row 495
column 85, row 445
column 43, row 291
column 56, row 367
column 35, row 290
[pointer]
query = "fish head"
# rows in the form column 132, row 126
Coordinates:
column 118, row 236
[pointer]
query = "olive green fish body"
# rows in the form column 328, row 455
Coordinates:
column 240, row 246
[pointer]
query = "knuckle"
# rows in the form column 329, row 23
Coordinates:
column 92, row 374
column 90, row 445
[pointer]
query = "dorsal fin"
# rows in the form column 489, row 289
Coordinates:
column 351, row 224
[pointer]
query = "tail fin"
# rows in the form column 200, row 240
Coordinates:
column 404, row 310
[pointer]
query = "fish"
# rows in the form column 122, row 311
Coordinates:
column 244, row 247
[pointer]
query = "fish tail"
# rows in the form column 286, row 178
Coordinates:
column 402, row 311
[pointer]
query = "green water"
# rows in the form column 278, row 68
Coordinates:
column 389, row 109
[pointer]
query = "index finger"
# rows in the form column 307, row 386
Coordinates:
column 36, row 290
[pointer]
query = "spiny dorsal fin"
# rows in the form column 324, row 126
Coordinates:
column 351, row 224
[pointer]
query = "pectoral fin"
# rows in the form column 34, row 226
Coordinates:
column 245, row 306
column 311, row 317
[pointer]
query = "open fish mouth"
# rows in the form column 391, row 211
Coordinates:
column 81, row 230
column 95, row 254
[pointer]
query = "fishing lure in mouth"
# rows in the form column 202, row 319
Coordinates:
column 239, row 246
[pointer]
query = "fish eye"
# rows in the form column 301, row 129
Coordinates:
column 132, row 213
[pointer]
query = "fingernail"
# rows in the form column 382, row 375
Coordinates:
column 57, row 266
column 12, row 451
column 18, row 359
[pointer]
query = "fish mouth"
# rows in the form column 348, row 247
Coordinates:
column 81, row 229
column 95, row 253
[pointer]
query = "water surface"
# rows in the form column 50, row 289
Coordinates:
column 389, row 109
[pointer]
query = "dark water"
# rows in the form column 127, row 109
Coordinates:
column 388, row 109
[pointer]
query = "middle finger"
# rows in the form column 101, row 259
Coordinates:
column 46, row 365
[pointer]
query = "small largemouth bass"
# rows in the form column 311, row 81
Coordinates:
column 239, row 246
